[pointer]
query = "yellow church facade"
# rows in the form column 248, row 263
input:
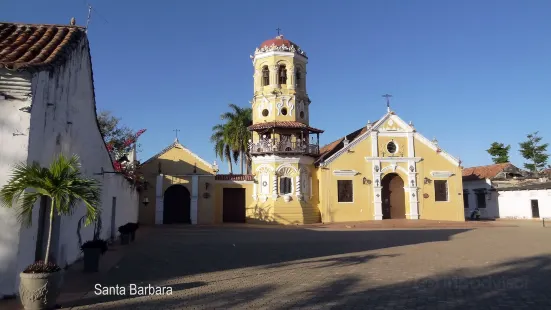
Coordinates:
column 383, row 170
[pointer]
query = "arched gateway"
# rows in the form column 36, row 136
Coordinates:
column 176, row 205
column 394, row 198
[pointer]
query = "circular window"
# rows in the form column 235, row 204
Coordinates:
column 284, row 111
column 265, row 112
column 391, row 147
column 301, row 114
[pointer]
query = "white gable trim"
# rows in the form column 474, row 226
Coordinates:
column 345, row 173
column 432, row 146
column 401, row 123
column 194, row 155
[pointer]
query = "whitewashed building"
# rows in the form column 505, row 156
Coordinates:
column 479, row 187
column 530, row 201
column 47, row 106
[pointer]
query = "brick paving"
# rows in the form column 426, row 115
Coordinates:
column 477, row 266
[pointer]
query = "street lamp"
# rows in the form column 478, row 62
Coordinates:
column 145, row 201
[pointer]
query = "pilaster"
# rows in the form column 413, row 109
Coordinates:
column 159, row 203
column 274, row 187
column 377, row 191
column 297, row 188
column 194, row 198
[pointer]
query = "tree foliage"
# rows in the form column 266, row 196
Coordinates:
column 62, row 182
column 535, row 152
column 231, row 139
column 499, row 152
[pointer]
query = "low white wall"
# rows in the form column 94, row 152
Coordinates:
column 492, row 205
column 517, row 204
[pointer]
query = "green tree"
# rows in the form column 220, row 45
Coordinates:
column 62, row 182
column 499, row 152
column 535, row 152
column 237, row 121
column 221, row 137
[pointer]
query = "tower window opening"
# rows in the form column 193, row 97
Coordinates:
column 301, row 114
column 282, row 74
column 284, row 111
column 297, row 79
column 265, row 76
column 265, row 112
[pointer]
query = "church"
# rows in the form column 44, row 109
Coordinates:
column 383, row 170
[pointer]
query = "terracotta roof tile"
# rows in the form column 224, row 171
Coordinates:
column 485, row 172
column 234, row 177
column 28, row 46
column 333, row 147
column 283, row 124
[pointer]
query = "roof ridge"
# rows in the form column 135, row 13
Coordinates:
column 45, row 25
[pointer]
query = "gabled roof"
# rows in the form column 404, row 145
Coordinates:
column 488, row 171
column 36, row 47
column 333, row 150
column 176, row 144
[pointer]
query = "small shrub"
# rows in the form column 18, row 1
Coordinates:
column 124, row 229
column 41, row 267
column 95, row 244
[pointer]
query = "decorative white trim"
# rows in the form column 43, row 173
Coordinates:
column 397, row 134
column 159, row 201
column 194, row 199
column 270, row 159
column 233, row 182
column 345, row 173
column 394, row 159
column 287, row 167
column 279, row 53
column 411, row 146
column 441, row 174
column 267, row 168
column 431, row 145
column 393, row 166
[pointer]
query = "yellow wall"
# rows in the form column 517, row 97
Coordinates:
column 218, row 196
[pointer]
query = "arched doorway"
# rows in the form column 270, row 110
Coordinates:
column 176, row 205
column 394, row 198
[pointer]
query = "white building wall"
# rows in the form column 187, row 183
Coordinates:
column 492, row 210
column 63, row 119
column 14, row 143
column 517, row 204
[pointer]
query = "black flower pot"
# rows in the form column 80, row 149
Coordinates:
column 133, row 236
column 91, row 259
column 125, row 239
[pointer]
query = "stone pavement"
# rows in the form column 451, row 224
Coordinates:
column 247, row 267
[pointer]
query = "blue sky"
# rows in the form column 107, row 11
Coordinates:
column 466, row 72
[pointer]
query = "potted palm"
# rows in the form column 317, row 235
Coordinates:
column 92, row 250
column 125, row 231
column 64, row 185
column 132, row 227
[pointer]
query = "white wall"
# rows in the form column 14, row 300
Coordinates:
column 63, row 119
column 491, row 211
column 517, row 204
column 14, row 141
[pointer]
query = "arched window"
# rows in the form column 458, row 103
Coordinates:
column 265, row 76
column 297, row 78
column 282, row 74
column 285, row 185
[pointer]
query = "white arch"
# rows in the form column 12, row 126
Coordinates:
column 393, row 168
column 286, row 170
column 264, row 168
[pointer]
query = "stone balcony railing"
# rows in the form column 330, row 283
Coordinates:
column 269, row 146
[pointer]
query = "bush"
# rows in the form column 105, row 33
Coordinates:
column 124, row 229
column 95, row 244
column 41, row 267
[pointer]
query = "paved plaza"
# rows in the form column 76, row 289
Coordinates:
column 248, row 267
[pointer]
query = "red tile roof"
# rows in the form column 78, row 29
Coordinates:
column 28, row 46
column 329, row 149
column 234, row 177
column 485, row 172
column 278, row 41
column 283, row 124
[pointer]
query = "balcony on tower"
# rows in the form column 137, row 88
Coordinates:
column 288, row 138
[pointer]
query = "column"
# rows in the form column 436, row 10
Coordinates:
column 159, row 207
column 194, row 198
column 374, row 145
column 291, row 78
column 273, row 76
column 274, row 187
column 297, row 188
column 377, row 191
column 413, row 191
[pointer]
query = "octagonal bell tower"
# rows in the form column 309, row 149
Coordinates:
column 283, row 145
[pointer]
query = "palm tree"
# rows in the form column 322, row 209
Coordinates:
column 62, row 182
column 237, row 122
column 220, row 137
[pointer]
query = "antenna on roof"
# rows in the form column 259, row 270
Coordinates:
column 90, row 9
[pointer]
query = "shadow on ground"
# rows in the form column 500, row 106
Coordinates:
column 516, row 284
column 176, row 252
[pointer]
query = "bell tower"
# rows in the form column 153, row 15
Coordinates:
column 283, row 145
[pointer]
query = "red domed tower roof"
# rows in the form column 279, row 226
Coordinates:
column 279, row 44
